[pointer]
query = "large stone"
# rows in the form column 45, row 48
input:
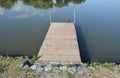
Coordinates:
column 82, row 70
column 76, row 65
column 39, row 69
column 56, row 69
column 26, row 67
column 59, row 65
column 21, row 65
column 91, row 68
column 33, row 67
column 26, row 62
column 48, row 68
column 26, row 57
column 73, row 69
column 63, row 68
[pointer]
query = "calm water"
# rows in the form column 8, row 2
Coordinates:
column 24, row 24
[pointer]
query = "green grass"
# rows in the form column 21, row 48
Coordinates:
column 70, row 75
column 93, row 64
column 68, row 65
column 108, row 65
column 33, row 59
column 1, row 69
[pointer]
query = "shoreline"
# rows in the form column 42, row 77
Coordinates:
column 11, row 67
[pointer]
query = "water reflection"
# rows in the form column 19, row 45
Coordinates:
column 41, row 4
column 20, row 11
column 7, row 4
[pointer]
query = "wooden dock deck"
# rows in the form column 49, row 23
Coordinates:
column 60, row 44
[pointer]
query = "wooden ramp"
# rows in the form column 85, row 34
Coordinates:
column 60, row 44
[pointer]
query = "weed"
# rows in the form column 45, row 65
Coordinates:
column 34, row 58
column 93, row 64
column 29, row 70
column 20, row 69
column 70, row 75
column 50, row 71
column 109, row 65
column 3, row 68
column 68, row 65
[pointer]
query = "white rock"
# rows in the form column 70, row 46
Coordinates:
column 48, row 68
column 63, row 68
column 21, row 65
column 82, row 70
column 73, row 69
column 119, row 65
column 91, row 68
column 33, row 67
column 56, row 69
column 39, row 69
column 26, row 67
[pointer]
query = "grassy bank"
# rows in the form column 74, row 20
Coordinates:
column 9, row 68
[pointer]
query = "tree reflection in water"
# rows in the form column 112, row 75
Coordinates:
column 40, row 4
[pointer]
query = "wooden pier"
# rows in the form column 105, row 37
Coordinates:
column 60, row 44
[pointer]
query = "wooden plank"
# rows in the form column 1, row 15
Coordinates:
column 60, row 44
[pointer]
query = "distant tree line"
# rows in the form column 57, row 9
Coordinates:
column 42, row 4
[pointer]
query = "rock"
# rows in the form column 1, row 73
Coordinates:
column 21, row 65
column 56, row 69
column 82, row 70
column 63, row 68
column 33, row 67
column 119, row 65
column 73, row 69
column 26, row 57
column 26, row 62
column 48, row 68
column 91, row 68
column 39, row 69
column 26, row 67
column 43, row 66
column 76, row 65
column 59, row 65
column 1, row 56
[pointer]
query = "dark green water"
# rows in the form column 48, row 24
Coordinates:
column 24, row 24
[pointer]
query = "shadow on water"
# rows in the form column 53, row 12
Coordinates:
column 82, row 45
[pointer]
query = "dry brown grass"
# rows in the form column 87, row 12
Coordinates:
column 9, row 68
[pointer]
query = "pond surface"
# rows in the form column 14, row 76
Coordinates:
column 24, row 24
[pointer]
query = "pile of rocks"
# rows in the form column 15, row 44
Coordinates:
column 45, row 67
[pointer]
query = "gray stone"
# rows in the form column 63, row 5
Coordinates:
column 91, row 68
column 59, row 65
column 21, row 65
column 73, row 69
column 39, row 69
column 1, row 56
column 82, row 70
column 48, row 67
column 33, row 67
column 26, row 62
column 56, row 69
column 26, row 57
column 63, row 68
column 26, row 67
